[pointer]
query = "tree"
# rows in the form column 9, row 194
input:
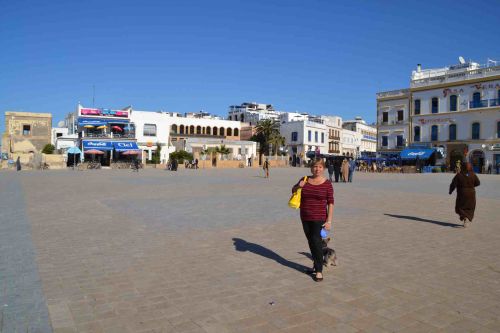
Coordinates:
column 267, row 130
column 181, row 155
column 156, row 156
column 276, row 140
column 48, row 149
column 223, row 150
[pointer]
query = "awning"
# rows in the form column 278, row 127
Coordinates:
column 74, row 150
column 101, row 121
column 125, row 145
column 412, row 154
column 99, row 145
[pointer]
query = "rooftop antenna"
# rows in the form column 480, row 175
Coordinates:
column 461, row 59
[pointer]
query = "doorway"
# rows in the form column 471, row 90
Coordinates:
column 477, row 160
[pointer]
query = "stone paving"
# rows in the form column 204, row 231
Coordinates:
column 219, row 251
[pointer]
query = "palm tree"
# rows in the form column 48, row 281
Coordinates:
column 222, row 150
column 276, row 140
column 266, row 130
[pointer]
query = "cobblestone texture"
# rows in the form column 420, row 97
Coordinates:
column 219, row 251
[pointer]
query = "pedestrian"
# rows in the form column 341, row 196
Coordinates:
column 136, row 165
column 465, row 181
column 316, row 212
column 196, row 163
column 265, row 166
column 331, row 169
column 336, row 169
column 18, row 163
column 345, row 170
column 352, row 168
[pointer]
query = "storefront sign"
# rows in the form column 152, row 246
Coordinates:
column 104, row 113
column 125, row 145
column 99, row 145
column 424, row 121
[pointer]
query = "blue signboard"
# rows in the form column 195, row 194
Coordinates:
column 125, row 145
column 99, row 122
column 99, row 145
column 413, row 154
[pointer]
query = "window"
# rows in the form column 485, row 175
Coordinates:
column 476, row 129
column 453, row 132
column 295, row 136
column 384, row 141
column 434, row 133
column 400, row 115
column 149, row 130
column 315, row 136
column 309, row 136
column 453, row 103
column 385, row 117
column 417, row 106
column 434, row 105
column 322, row 137
column 26, row 130
column 416, row 134
column 399, row 140
column 58, row 135
column 498, row 130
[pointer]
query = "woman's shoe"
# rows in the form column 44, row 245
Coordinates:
column 318, row 279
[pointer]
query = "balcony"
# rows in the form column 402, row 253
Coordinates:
column 393, row 93
column 478, row 104
column 333, row 151
column 494, row 102
column 332, row 137
column 447, row 76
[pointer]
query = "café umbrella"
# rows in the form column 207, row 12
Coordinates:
column 89, row 126
column 117, row 128
column 94, row 152
column 131, row 152
column 102, row 127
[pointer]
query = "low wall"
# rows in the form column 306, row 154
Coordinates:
column 278, row 163
column 55, row 161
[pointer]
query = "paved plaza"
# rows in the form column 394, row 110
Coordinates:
column 220, row 251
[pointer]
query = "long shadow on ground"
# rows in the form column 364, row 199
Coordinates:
column 243, row 246
column 419, row 219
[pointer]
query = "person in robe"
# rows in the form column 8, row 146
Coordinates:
column 465, row 182
column 345, row 170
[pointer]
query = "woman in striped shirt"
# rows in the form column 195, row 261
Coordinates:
column 316, row 211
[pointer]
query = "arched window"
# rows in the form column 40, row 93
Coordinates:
column 434, row 105
column 215, row 131
column 476, row 131
column 434, row 133
column 181, row 129
column 221, row 131
column 416, row 134
column 198, row 129
column 174, row 129
column 229, row 132
column 191, row 129
column 237, row 132
column 498, row 129
column 453, row 102
column 453, row 132
column 209, row 130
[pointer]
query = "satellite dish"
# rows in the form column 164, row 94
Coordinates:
column 461, row 59
column 60, row 124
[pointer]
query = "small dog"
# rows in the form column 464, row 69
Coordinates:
column 329, row 256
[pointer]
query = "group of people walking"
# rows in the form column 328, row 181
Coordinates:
column 343, row 170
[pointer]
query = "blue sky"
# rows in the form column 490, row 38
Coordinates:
column 318, row 56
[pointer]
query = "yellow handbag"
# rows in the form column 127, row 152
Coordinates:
column 294, row 201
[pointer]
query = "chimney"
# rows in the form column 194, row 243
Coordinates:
column 419, row 68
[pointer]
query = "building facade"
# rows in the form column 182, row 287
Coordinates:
column 26, row 132
column 252, row 112
column 304, row 136
column 393, row 121
column 367, row 134
column 457, row 109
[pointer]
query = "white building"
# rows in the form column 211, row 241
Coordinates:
column 303, row 136
column 457, row 108
column 174, row 132
column 350, row 143
column 239, row 150
column 334, row 125
column 393, row 121
column 252, row 112
column 367, row 133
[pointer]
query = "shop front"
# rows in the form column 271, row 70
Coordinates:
column 97, row 151
column 422, row 158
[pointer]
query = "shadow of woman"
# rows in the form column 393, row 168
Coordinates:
column 419, row 219
column 243, row 246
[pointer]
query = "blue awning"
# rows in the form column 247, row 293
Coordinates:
column 412, row 154
column 125, row 145
column 101, row 121
column 74, row 150
column 99, row 145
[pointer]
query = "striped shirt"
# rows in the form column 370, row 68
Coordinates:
column 314, row 200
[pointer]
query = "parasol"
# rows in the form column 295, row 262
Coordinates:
column 94, row 152
column 131, row 152
column 89, row 126
column 118, row 128
column 102, row 127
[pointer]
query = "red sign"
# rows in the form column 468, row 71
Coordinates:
column 104, row 113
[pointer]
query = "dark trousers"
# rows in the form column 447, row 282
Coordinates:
column 312, row 230
column 337, row 174
column 330, row 176
column 350, row 176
